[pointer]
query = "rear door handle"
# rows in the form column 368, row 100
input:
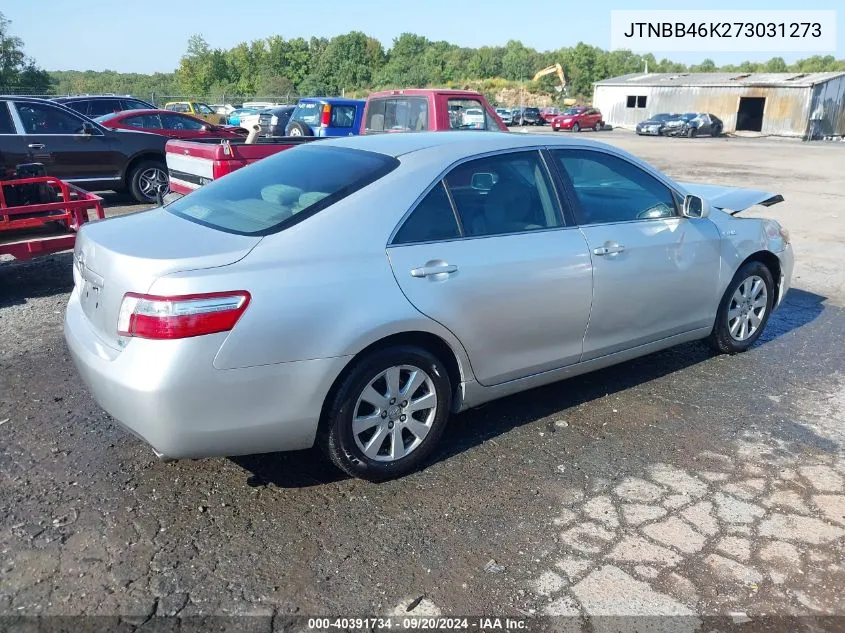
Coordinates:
column 437, row 269
column 36, row 146
column 609, row 249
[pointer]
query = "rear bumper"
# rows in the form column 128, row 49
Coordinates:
column 169, row 394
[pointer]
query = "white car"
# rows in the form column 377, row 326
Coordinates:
column 473, row 118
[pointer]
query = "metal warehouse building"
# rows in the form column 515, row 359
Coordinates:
column 781, row 104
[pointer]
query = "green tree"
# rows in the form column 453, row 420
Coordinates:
column 17, row 71
column 518, row 62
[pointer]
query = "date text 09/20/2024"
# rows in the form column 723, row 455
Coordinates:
column 418, row 623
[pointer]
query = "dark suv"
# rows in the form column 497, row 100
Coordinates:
column 94, row 106
column 528, row 116
column 78, row 150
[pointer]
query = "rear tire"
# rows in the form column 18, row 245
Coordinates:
column 746, row 304
column 400, row 422
column 146, row 179
column 295, row 128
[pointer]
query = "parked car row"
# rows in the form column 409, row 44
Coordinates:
column 689, row 124
column 118, row 143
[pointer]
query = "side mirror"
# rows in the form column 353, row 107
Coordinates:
column 694, row 207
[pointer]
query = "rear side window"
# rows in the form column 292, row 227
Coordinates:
column 308, row 113
column 78, row 106
column 6, row 126
column 401, row 114
column 99, row 107
column 134, row 104
column 432, row 220
column 282, row 190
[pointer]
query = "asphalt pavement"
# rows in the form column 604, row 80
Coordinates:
column 682, row 483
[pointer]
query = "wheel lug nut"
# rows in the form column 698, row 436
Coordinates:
column 405, row 403
column 393, row 401
column 403, row 417
column 384, row 414
column 390, row 425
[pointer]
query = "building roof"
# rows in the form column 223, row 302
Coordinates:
column 797, row 80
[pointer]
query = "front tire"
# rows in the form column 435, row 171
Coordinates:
column 388, row 414
column 576, row 128
column 598, row 126
column 744, row 310
column 146, row 179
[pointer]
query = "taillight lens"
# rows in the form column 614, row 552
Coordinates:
column 327, row 115
column 181, row 316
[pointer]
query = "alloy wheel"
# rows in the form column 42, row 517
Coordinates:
column 747, row 308
column 153, row 180
column 394, row 413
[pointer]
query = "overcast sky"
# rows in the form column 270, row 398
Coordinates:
column 152, row 35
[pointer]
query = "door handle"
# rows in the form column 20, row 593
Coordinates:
column 437, row 269
column 610, row 248
column 36, row 146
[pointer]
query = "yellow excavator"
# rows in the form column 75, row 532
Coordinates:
column 558, row 70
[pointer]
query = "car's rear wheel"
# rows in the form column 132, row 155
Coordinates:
column 717, row 131
column 299, row 129
column 387, row 414
column 744, row 310
column 576, row 128
column 147, row 179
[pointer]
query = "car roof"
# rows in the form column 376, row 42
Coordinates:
column 456, row 144
column 332, row 100
column 423, row 92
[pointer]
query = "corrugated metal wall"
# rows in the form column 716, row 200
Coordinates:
column 831, row 96
column 787, row 109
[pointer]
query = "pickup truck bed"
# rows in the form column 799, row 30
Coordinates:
column 192, row 164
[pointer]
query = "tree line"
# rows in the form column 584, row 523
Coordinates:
column 355, row 63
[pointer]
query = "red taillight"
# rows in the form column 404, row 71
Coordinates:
column 327, row 115
column 181, row 316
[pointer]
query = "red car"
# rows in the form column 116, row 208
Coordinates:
column 577, row 119
column 166, row 123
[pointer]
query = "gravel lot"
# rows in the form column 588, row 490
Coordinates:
column 682, row 483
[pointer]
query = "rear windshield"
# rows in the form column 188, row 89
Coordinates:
column 282, row 190
column 308, row 113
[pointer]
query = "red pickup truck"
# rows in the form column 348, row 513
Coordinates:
column 192, row 164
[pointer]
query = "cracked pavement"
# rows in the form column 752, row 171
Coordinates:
column 680, row 483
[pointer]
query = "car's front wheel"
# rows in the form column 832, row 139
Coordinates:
column 744, row 309
column 387, row 414
column 576, row 128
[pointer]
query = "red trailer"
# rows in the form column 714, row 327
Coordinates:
column 31, row 230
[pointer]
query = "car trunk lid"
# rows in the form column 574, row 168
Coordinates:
column 127, row 254
column 732, row 199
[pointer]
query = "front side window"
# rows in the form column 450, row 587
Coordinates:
column 39, row 118
column 433, row 220
column 342, row 116
column 134, row 104
column 507, row 193
column 611, row 189
column 282, row 190
column 144, row 121
column 203, row 108
column 176, row 122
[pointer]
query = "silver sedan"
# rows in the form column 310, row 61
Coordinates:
column 357, row 292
